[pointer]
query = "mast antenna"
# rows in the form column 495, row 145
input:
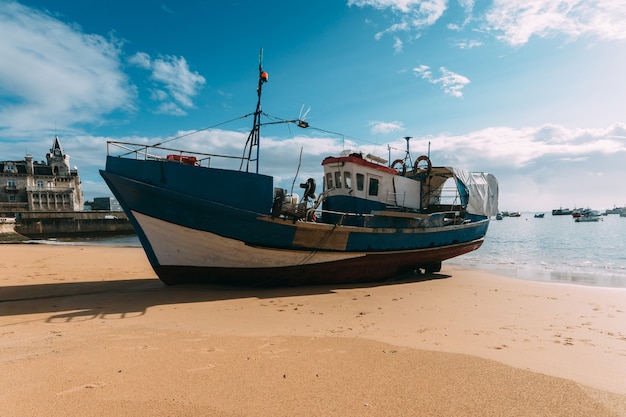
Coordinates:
column 254, row 137
column 408, row 151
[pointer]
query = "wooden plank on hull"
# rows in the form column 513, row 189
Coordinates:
column 329, row 239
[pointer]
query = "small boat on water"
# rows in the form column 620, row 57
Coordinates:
column 371, row 221
column 561, row 212
column 588, row 216
column 539, row 215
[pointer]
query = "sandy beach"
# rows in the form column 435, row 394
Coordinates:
column 91, row 331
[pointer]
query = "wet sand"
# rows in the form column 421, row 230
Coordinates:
column 90, row 330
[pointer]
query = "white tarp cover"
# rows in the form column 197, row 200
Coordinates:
column 483, row 191
column 407, row 194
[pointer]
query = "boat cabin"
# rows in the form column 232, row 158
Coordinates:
column 364, row 191
column 365, row 185
column 362, row 184
column 359, row 184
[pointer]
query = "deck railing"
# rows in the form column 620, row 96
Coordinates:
column 157, row 152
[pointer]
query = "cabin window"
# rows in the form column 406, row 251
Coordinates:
column 360, row 182
column 338, row 179
column 347, row 179
column 329, row 181
column 373, row 187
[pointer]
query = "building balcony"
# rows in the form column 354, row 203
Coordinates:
column 10, row 188
column 35, row 189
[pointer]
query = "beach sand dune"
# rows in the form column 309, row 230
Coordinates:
column 87, row 330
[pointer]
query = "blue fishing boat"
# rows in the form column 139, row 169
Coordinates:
column 370, row 221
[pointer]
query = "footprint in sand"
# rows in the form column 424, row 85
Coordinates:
column 202, row 368
column 79, row 388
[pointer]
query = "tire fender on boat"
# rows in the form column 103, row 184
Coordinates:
column 422, row 172
column 402, row 165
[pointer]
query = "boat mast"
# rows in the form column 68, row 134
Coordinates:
column 407, row 158
column 255, row 137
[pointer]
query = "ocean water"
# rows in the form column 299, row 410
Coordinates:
column 553, row 249
column 118, row 240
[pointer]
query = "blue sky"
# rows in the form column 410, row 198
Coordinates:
column 531, row 91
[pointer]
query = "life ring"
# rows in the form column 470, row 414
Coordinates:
column 422, row 172
column 402, row 164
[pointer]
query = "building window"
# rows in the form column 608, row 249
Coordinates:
column 11, row 182
column 12, row 199
column 39, row 184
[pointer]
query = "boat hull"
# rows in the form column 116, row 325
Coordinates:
column 183, row 255
column 200, row 236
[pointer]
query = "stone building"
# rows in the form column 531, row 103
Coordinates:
column 31, row 186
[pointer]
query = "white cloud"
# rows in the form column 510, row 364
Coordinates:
column 511, row 148
column 386, row 127
column 170, row 108
column 404, row 6
column 468, row 44
column 511, row 21
column 516, row 22
column 166, row 9
column 424, row 71
column 398, row 45
column 413, row 14
column 538, row 167
column 51, row 72
column 141, row 60
column 175, row 84
column 451, row 82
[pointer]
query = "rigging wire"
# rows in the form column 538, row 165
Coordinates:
column 275, row 120
column 201, row 130
column 278, row 120
column 297, row 170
